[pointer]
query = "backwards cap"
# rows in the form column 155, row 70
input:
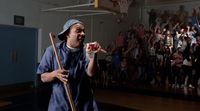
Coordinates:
column 66, row 27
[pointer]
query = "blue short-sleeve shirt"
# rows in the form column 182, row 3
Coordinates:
column 79, row 82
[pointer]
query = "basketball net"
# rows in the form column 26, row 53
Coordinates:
column 124, row 5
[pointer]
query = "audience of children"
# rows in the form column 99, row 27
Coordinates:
column 167, row 54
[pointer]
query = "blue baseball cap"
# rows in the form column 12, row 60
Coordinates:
column 66, row 27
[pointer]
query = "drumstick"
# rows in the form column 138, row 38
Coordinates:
column 103, row 50
column 66, row 86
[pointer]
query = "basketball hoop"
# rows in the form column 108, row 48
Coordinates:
column 124, row 5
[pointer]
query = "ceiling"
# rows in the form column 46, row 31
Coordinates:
column 60, row 3
column 63, row 6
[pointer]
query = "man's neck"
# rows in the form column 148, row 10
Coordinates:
column 72, row 48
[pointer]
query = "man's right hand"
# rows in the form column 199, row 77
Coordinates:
column 61, row 74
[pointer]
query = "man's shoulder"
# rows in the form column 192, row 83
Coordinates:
column 57, row 45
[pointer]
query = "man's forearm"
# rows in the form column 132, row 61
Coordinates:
column 92, row 65
column 47, row 77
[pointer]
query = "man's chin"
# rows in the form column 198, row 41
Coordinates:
column 80, row 44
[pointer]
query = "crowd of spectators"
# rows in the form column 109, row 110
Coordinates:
column 166, row 54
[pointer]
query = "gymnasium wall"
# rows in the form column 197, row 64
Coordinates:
column 102, row 28
column 31, row 10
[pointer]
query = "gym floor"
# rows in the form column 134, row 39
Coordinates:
column 108, row 99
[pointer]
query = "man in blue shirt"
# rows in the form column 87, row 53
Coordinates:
column 79, row 64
